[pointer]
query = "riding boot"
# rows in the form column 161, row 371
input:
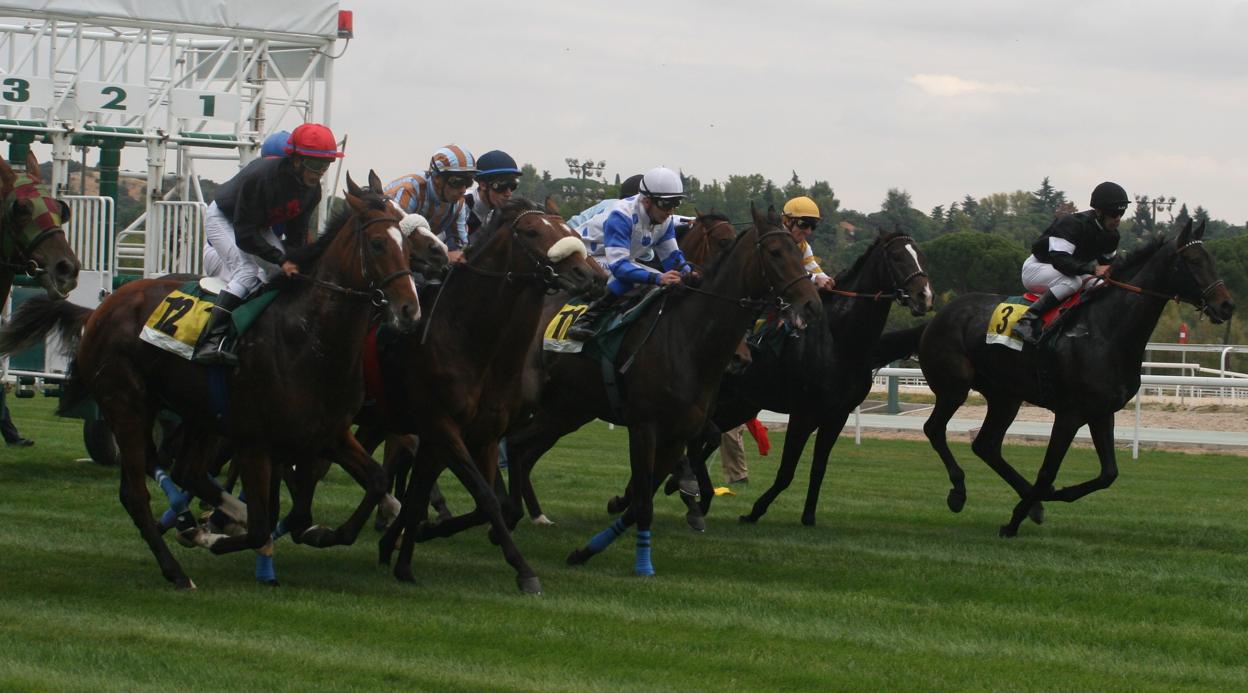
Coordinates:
column 212, row 349
column 1031, row 325
column 582, row 329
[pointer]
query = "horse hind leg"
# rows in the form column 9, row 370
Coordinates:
column 948, row 400
column 800, row 428
column 829, row 431
column 987, row 445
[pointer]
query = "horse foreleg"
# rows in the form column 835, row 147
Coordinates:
column 1102, row 429
column 414, row 514
column 829, row 431
column 133, row 432
column 256, row 471
column 948, row 400
column 1064, row 428
column 370, row 476
column 987, row 445
column 801, row 425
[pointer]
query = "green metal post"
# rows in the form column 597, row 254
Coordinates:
column 110, row 166
column 20, row 146
column 894, row 400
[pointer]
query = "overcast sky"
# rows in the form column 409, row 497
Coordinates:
column 938, row 98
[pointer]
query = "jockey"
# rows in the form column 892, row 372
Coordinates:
column 274, row 147
column 438, row 195
column 800, row 217
column 239, row 225
column 631, row 186
column 497, row 178
column 628, row 228
column 1074, row 249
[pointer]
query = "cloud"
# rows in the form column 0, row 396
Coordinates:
column 952, row 85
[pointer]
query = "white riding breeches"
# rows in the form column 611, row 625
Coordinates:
column 1039, row 277
column 214, row 266
column 246, row 272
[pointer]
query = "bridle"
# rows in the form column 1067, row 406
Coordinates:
column 776, row 299
column 899, row 285
column 376, row 288
column 1202, row 305
column 545, row 273
column 27, row 264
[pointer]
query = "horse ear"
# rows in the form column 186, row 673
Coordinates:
column 32, row 166
column 759, row 220
column 352, row 187
column 549, row 205
column 1184, row 235
column 1200, row 231
column 374, row 183
column 7, row 177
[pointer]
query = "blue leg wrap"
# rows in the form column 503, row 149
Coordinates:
column 644, row 566
column 166, row 519
column 264, row 569
column 604, row 538
column 178, row 498
column 280, row 530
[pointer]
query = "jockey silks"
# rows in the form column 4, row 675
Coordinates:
column 268, row 192
column 1075, row 244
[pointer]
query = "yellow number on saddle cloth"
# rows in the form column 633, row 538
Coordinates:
column 556, row 336
column 176, row 323
column 1001, row 325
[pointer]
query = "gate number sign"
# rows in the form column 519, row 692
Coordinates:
column 32, row 92
column 110, row 97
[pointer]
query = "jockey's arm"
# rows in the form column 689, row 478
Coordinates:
column 617, row 238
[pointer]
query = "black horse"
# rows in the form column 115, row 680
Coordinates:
column 663, row 382
column 821, row 377
column 1087, row 369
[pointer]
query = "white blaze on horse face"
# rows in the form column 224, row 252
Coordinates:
column 565, row 247
column 927, row 290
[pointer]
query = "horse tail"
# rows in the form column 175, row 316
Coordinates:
column 896, row 345
column 39, row 316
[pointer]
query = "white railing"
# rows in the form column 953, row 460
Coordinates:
column 176, row 236
column 90, row 231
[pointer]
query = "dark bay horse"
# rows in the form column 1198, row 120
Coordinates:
column 32, row 240
column 667, row 371
column 819, row 378
column 1091, row 371
column 457, row 382
column 292, row 396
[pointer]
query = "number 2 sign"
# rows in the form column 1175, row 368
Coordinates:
column 110, row 97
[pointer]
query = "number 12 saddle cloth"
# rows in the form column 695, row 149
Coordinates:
column 179, row 319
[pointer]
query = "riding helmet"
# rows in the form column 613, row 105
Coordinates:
column 275, row 145
column 800, row 207
column 631, row 186
column 453, row 159
column 314, row 140
column 1110, row 197
column 496, row 163
column 661, row 182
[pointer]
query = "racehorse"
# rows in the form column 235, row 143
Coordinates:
column 820, row 378
column 32, row 240
column 1091, row 370
column 663, row 381
column 457, row 382
column 293, row 395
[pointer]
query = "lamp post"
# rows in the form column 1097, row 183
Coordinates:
column 1161, row 202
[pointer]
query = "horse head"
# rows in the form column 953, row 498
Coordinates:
column 372, row 253
column 550, row 250
column 428, row 254
column 906, row 274
column 31, row 232
column 1195, row 279
column 780, row 267
column 708, row 236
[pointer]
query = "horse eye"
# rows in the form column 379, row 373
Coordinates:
column 377, row 244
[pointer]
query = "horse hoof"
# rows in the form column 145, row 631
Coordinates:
column 690, row 488
column 530, row 585
column 644, row 572
column 696, row 522
column 317, row 535
column 543, row 521
column 1037, row 513
column 748, row 519
column 1007, row 532
column 380, row 526
column 404, row 574
column 808, row 520
column 956, row 500
column 671, row 486
column 269, row 583
column 184, row 585
column 616, row 505
column 493, row 537
column 579, row 557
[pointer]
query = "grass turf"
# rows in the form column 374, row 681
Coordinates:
column 1138, row 587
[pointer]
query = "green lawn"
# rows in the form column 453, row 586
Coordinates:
column 1143, row 586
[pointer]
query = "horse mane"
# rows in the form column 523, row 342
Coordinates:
column 855, row 268
column 307, row 256
column 510, row 209
column 1129, row 264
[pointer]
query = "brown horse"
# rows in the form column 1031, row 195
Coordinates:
column 32, row 240
column 669, row 367
column 458, row 383
column 292, row 396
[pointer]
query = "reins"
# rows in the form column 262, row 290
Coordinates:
column 898, row 293
column 1176, row 297
column 545, row 274
column 375, row 292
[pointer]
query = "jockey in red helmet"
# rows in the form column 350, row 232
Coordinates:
column 240, row 222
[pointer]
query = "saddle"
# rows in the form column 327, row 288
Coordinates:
column 176, row 323
column 1008, row 312
column 611, row 327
